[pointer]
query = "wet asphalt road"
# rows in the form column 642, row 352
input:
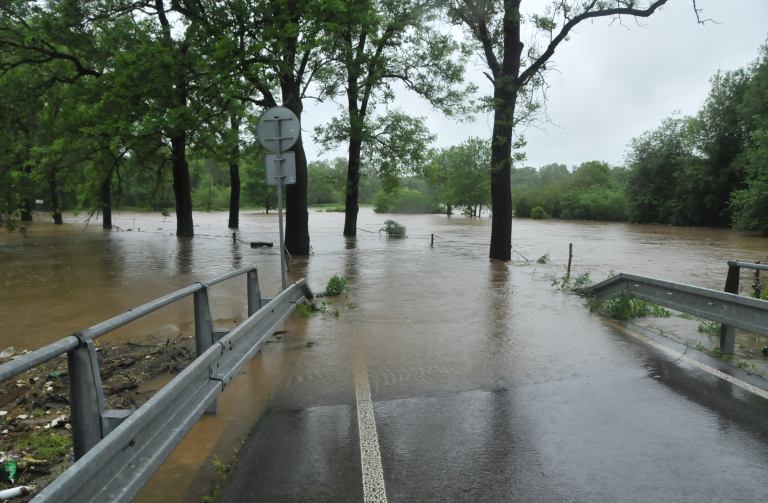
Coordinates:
column 489, row 386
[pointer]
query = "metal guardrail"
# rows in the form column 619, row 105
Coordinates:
column 117, row 452
column 727, row 308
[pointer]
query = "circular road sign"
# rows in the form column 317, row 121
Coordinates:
column 267, row 129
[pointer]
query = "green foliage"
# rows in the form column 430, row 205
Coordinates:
column 538, row 213
column 404, row 200
column 710, row 327
column 579, row 284
column 337, row 285
column 461, row 175
column 303, row 310
column 393, row 228
column 594, row 203
column 750, row 205
column 208, row 197
column 543, row 259
column 626, row 307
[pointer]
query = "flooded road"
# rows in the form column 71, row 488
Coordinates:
column 438, row 331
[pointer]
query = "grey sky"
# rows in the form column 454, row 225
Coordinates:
column 613, row 82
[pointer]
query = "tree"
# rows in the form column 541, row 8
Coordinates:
column 496, row 28
column 655, row 160
column 375, row 43
column 461, row 175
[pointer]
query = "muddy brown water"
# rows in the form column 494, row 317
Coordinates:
column 60, row 279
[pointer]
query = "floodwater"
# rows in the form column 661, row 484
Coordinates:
column 60, row 279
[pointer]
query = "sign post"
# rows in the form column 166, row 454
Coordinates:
column 278, row 130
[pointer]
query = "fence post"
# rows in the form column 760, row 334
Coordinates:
column 570, row 256
column 86, row 398
column 432, row 243
column 728, row 332
column 254, row 292
column 204, row 330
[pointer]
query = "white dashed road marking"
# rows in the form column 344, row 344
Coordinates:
column 370, row 456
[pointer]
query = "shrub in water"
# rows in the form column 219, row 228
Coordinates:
column 337, row 286
column 539, row 213
column 626, row 307
column 393, row 228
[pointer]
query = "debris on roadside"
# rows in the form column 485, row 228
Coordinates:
column 35, row 429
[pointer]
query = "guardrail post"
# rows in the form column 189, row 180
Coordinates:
column 254, row 292
column 86, row 398
column 728, row 332
column 204, row 330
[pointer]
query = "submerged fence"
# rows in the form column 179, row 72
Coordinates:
column 117, row 451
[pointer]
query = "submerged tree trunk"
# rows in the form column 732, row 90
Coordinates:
column 181, row 185
column 234, row 175
column 448, row 206
column 106, row 202
column 352, row 189
column 296, row 212
column 26, row 211
column 55, row 201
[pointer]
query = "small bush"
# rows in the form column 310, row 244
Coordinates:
column 336, row 286
column 626, row 307
column 543, row 259
column 393, row 228
column 539, row 213
column 581, row 282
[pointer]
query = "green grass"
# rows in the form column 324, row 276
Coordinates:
column 44, row 445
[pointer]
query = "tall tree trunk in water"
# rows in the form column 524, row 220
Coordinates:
column 234, row 175
column 296, row 214
column 181, row 185
column 449, row 209
column 505, row 97
column 352, row 188
column 55, row 202
column 26, row 211
column 106, row 202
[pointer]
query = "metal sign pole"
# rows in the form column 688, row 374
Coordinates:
column 281, row 166
column 278, row 159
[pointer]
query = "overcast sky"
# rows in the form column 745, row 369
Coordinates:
column 613, row 82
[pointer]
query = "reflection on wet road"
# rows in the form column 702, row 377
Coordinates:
column 485, row 384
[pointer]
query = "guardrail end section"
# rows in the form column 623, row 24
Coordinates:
column 305, row 289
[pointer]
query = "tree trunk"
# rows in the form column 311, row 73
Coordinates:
column 55, row 202
column 234, row 175
column 181, row 185
column 106, row 202
column 352, row 189
column 296, row 211
column 26, row 212
column 449, row 210
column 266, row 203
